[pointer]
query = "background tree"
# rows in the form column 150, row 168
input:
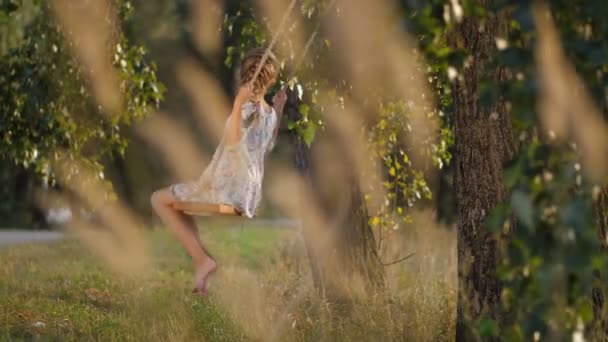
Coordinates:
column 542, row 188
column 484, row 144
column 47, row 107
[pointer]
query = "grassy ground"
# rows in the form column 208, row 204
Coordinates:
column 261, row 292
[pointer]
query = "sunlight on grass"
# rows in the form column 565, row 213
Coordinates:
column 262, row 292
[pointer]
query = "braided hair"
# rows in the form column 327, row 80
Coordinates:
column 249, row 64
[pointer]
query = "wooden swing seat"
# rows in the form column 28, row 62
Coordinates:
column 205, row 209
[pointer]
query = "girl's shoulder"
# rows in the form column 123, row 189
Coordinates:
column 262, row 108
column 266, row 108
column 248, row 107
column 249, row 104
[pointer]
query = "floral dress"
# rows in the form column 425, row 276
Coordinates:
column 234, row 176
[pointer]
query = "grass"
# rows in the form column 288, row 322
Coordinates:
column 60, row 291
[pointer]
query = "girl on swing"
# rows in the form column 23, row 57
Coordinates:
column 234, row 176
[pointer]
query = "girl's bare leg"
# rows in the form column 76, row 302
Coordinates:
column 186, row 232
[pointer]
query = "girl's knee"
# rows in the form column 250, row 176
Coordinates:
column 154, row 198
column 158, row 198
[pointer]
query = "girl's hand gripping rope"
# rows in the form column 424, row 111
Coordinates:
column 278, row 101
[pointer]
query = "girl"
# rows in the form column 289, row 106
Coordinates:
column 235, row 173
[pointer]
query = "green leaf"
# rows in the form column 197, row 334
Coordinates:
column 308, row 133
column 304, row 109
column 523, row 207
column 229, row 53
column 585, row 310
column 488, row 327
column 8, row 7
column 512, row 173
column 497, row 218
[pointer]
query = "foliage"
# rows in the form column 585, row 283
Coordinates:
column 553, row 250
column 554, row 246
column 404, row 184
column 549, row 262
column 45, row 101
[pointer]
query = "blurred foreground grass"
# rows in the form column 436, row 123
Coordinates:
column 262, row 291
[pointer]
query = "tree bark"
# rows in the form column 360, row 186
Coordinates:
column 601, row 216
column 484, row 144
column 26, row 211
column 302, row 163
column 598, row 297
column 348, row 248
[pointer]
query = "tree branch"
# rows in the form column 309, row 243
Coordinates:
column 398, row 260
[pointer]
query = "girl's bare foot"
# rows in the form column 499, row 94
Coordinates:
column 201, row 278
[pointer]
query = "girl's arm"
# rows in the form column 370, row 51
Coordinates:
column 235, row 129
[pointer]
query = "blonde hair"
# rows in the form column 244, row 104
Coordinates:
column 249, row 65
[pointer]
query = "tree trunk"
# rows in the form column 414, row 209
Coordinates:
column 601, row 216
column 26, row 211
column 598, row 292
column 302, row 161
column 346, row 249
column 355, row 240
column 484, row 144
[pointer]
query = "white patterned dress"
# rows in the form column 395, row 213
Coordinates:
column 235, row 174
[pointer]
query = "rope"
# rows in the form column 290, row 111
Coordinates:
column 272, row 42
column 276, row 36
column 311, row 39
column 266, row 54
column 303, row 58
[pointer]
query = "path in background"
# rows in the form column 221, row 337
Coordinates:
column 12, row 237
column 270, row 223
column 15, row 236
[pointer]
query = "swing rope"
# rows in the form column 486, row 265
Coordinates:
column 311, row 40
column 272, row 42
column 303, row 59
column 278, row 33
